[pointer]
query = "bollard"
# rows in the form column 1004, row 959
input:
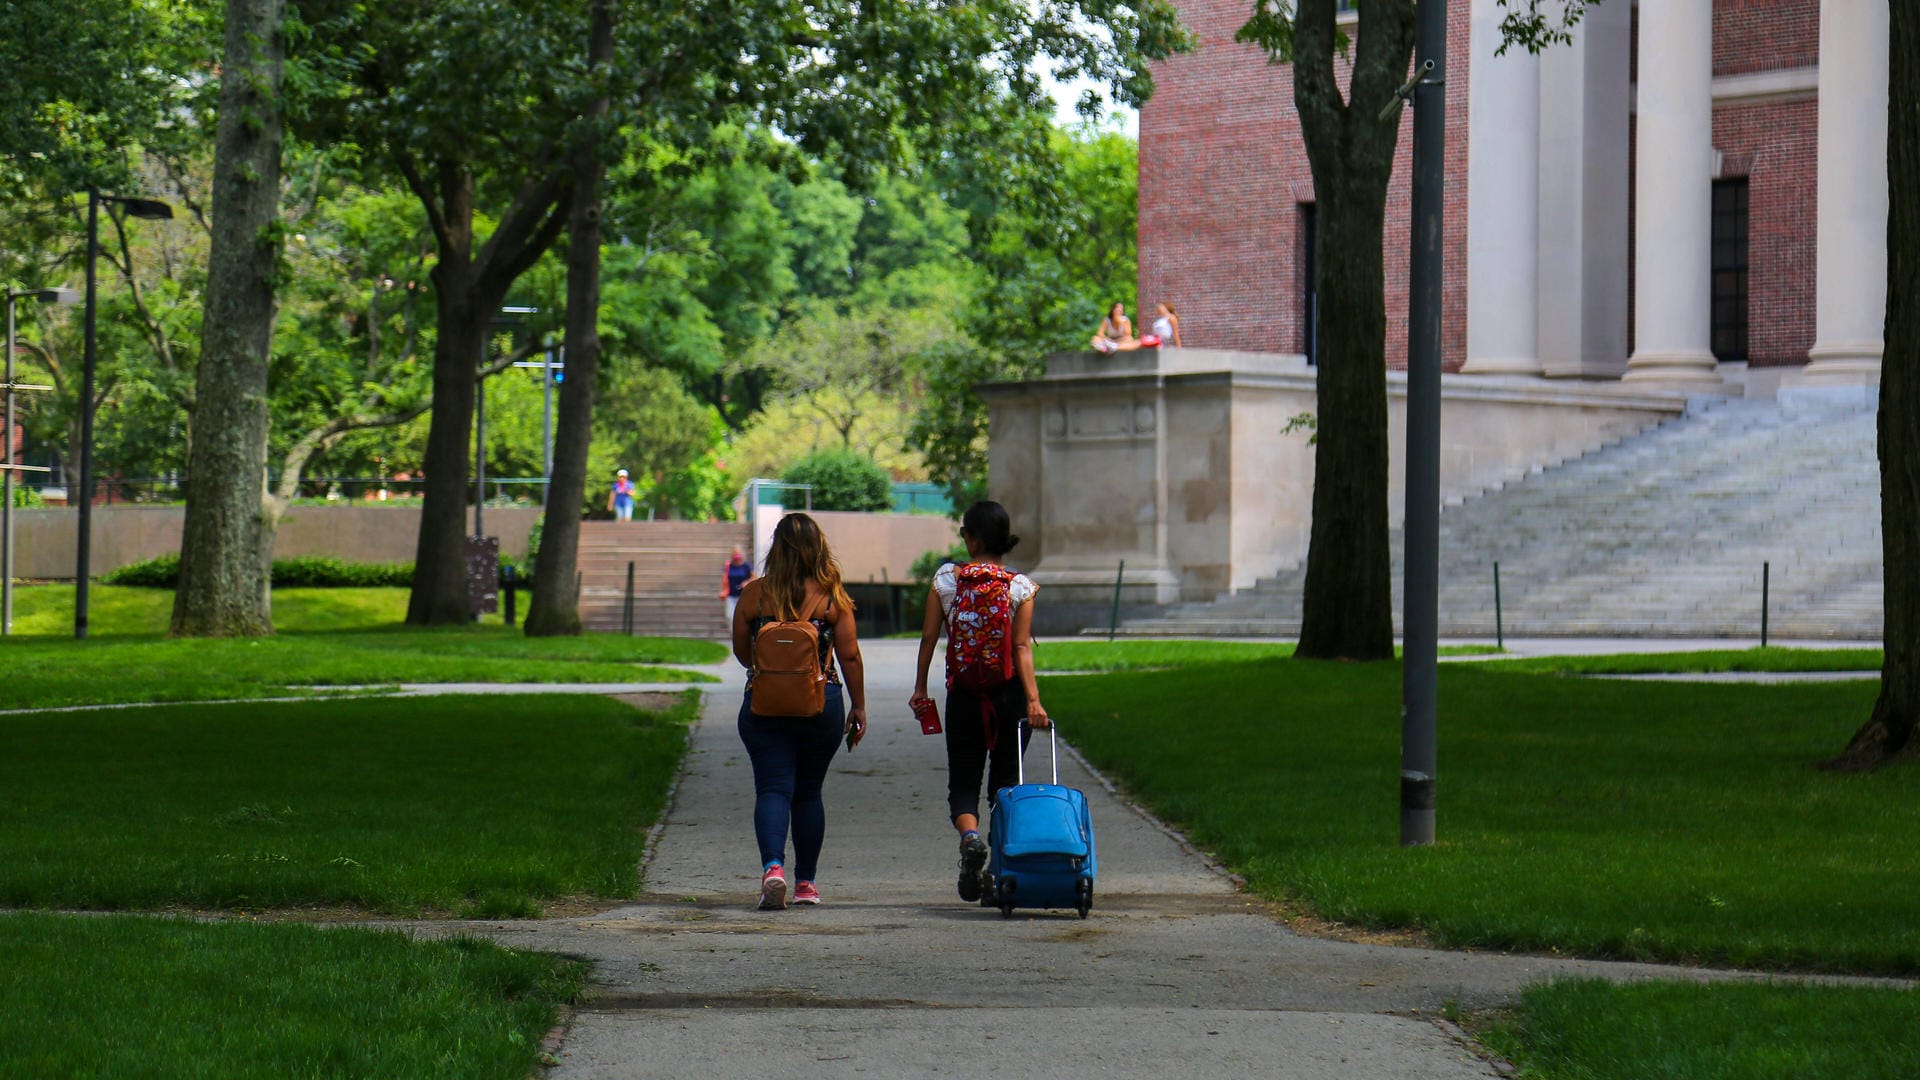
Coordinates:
column 1499, row 623
column 1113, row 620
column 626, row 609
column 508, row 588
column 1766, row 573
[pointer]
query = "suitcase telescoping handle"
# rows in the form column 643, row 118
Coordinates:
column 1053, row 743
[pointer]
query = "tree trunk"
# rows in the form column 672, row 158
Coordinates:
column 1347, row 611
column 555, row 606
column 226, row 549
column 439, row 593
column 1888, row 733
column 468, row 290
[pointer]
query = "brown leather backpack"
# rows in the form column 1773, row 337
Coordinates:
column 788, row 679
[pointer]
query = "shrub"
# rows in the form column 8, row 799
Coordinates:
column 924, row 566
column 302, row 572
column 326, row 572
column 842, row 480
column 159, row 572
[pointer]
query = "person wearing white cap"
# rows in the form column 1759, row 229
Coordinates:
column 620, row 500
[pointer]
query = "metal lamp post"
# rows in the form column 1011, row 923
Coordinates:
column 551, row 371
column 152, row 210
column 8, row 466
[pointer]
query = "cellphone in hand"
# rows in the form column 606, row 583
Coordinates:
column 928, row 715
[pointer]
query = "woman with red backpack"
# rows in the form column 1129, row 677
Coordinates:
column 987, row 612
column 789, row 628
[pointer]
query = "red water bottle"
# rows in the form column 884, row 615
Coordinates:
column 929, row 716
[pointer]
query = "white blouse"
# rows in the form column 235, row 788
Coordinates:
column 1019, row 590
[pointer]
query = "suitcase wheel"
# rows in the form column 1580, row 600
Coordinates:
column 1086, row 897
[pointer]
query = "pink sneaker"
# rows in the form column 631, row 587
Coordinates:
column 805, row 893
column 773, row 890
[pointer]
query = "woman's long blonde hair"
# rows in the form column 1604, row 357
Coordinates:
column 799, row 555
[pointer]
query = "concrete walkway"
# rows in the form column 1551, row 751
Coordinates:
column 1175, row 973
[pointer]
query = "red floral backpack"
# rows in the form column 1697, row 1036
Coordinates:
column 980, row 628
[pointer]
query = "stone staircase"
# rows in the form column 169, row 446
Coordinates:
column 676, row 575
column 1660, row 535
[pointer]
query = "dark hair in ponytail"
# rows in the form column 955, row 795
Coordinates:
column 988, row 523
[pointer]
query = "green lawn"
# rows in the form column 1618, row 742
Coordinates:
column 325, row 641
column 47, row 610
column 1713, row 660
column 1592, row 1030
column 1635, row 820
column 1095, row 655
column 477, row 806
column 124, row 996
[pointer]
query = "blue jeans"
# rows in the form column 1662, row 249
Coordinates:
column 790, row 758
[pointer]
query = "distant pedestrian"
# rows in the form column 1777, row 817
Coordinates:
column 987, row 613
column 739, row 571
column 790, row 628
column 620, row 499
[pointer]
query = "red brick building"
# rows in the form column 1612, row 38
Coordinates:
column 1748, row 258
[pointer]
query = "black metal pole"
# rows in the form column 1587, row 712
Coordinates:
column 546, row 426
column 1499, row 620
column 1421, row 616
column 6, row 480
column 626, row 617
column 1766, row 583
column 509, row 575
column 480, row 455
column 1113, row 620
column 83, row 562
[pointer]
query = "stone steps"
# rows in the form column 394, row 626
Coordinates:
column 1661, row 534
column 676, row 575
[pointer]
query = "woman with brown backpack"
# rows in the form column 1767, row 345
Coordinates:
column 789, row 628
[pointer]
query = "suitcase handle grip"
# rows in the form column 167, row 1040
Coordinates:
column 1053, row 743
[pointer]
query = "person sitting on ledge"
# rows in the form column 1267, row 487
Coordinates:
column 1116, row 332
column 1166, row 327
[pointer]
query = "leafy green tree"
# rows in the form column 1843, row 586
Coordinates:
column 842, row 480
column 849, row 78
column 1051, row 241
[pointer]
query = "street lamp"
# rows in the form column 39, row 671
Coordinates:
column 152, row 210
column 8, row 466
column 552, row 371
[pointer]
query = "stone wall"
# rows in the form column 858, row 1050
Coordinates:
column 870, row 547
column 45, row 541
column 1176, row 462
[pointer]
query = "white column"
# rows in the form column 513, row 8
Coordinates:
column 1585, row 115
column 1850, row 294
column 1503, row 202
column 1673, row 193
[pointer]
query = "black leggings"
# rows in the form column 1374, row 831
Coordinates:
column 967, row 745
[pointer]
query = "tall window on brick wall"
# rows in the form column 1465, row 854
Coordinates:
column 1309, row 299
column 1730, row 269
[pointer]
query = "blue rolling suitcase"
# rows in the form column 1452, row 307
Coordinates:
column 1042, row 846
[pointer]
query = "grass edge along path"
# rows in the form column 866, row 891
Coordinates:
column 1083, row 655
column 44, row 673
column 145, row 996
column 1622, row 820
column 1591, row 1029
column 475, row 806
column 1704, row 661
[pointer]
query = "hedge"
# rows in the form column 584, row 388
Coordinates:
column 303, row 572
